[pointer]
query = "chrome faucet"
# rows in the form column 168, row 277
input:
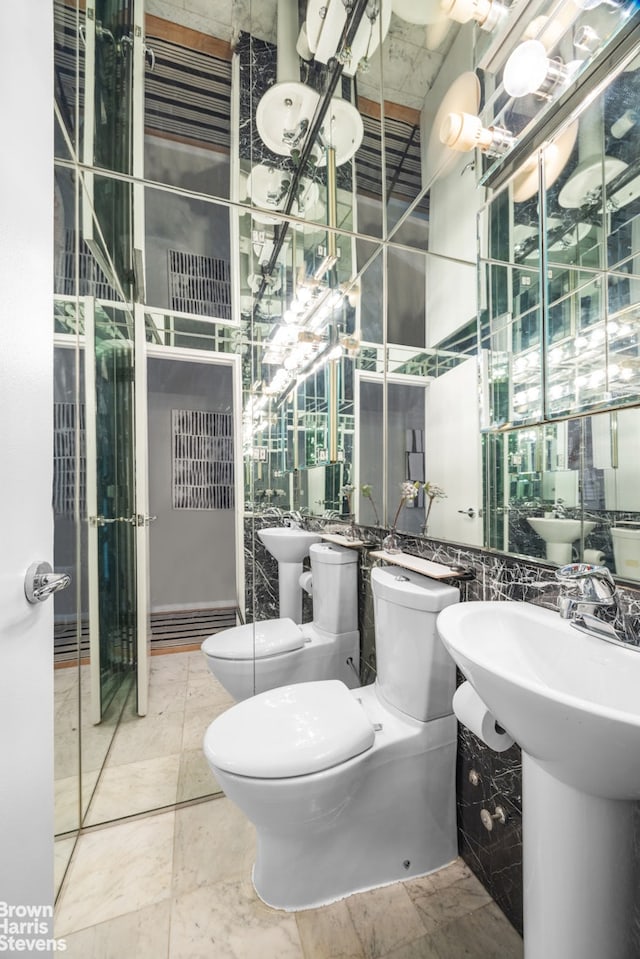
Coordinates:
column 559, row 510
column 293, row 519
column 590, row 601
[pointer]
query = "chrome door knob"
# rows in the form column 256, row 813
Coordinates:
column 40, row 582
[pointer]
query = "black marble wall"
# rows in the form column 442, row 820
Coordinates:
column 485, row 779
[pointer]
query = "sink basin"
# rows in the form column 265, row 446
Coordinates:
column 283, row 115
column 288, row 545
column 560, row 530
column 569, row 699
column 559, row 534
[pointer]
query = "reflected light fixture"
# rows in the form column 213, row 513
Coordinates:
column 464, row 132
column 530, row 70
column 554, row 158
column 463, row 96
column 324, row 26
column 488, row 14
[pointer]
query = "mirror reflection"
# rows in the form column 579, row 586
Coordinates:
column 568, row 492
column 292, row 203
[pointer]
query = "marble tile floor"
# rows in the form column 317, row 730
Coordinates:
column 176, row 885
column 153, row 761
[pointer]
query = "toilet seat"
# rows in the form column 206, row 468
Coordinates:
column 255, row 640
column 290, row 731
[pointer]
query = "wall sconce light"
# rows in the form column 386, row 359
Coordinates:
column 530, row 70
column 624, row 123
column 464, row 132
column 488, row 14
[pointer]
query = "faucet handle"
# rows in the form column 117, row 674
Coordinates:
column 583, row 571
column 594, row 582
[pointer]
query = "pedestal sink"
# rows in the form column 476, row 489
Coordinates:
column 559, row 534
column 289, row 546
column 572, row 702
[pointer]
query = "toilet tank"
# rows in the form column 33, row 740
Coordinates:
column 335, row 587
column 415, row 674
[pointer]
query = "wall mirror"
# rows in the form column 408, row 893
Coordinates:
column 182, row 226
column 559, row 299
column 567, row 491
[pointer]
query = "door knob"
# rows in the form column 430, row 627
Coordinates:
column 468, row 512
column 40, row 582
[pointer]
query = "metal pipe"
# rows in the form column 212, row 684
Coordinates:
column 336, row 68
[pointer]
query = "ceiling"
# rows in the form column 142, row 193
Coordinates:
column 187, row 94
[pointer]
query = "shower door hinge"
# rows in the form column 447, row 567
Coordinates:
column 104, row 520
column 143, row 519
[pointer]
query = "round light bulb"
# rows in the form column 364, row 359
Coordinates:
column 526, row 69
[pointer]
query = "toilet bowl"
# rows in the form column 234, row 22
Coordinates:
column 350, row 789
column 259, row 656
column 626, row 550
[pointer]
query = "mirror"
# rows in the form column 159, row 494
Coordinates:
column 568, row 491
column 559, row 256
column 217, row 217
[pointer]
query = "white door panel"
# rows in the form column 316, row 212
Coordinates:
column 26, row 442
column 454, row 455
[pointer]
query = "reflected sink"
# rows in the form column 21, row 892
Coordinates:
column 570, row 700
column 288, row 545
column 559, row 534
column 555, row 530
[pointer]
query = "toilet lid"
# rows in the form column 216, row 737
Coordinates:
column 290, row 731
column 255, row 640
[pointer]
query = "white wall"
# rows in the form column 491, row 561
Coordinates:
column 454, row 202
column 453, row 454
column 26, row 396
column 192, row 553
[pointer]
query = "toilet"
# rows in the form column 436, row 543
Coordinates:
column 351, row 789
column 626, row 550
column 259, row 656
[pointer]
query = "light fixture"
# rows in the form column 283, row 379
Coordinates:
column 488, row 14
column 529, row 70
column 286, row 109
column 464, row 132
column 623, row 124
column 463, row 96
column 324, row 28
column 342, row 129
column 555, row 157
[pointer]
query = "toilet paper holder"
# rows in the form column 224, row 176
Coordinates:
column 487, row 819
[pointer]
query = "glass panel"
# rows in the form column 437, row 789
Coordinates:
column 115, row 503
column 70, row 616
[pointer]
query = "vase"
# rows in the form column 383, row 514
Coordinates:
column 390, row 543
column 351, row 531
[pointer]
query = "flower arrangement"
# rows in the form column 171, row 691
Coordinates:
column 367, row 491
column 347, row 491
column 433, row 492
column 408, row 492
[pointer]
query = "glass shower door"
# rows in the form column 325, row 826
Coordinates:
column 111, row 499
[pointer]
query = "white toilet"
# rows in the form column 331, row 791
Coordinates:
column 626, row 550
column 259, row 656
column 351, row 789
